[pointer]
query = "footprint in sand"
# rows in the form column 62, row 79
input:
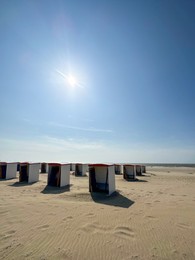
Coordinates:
column 11, row 232
column 95, row 228
column 124, row 232
column 7, row 234
column 67, row 218
column 149, row 216
column 90, row 214
column 43, row 227
column 182, row 225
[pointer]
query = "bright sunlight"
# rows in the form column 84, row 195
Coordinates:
column 72, row 80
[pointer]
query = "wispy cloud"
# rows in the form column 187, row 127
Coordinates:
column 72, row 144
column 89, row 129
column 47, row 148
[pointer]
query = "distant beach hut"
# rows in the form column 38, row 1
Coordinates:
column 101, row 178
column 72, row 167
column 8, row 170
column 58, row 175
column 18, row 167
column 129, row 172
column 29, row 172
column 117, row 168
column 44, row 167
column 80, row 169
column 143, row 169
column 138, row 170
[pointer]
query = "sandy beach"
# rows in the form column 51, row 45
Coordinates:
column 153, row 218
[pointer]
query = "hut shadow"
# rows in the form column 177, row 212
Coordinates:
column 55, row 190
column 116, row 199
column 136, row 180
column 20, row 184
column 8, row 179
column 145, row 175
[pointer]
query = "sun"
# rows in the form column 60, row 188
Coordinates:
column 72, row 81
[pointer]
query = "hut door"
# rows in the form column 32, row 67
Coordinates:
column 92, row 180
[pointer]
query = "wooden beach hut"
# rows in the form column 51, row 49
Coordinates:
column 8, row 170
column 129, row 172
column 138, row 170
column 44, row 167
column 80, row 169
column 29, row 172
column 58, row 175
column 117, row 168
column 101, row 178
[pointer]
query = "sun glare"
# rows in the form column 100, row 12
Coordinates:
column 72, row 80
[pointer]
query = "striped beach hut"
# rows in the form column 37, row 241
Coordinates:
column 101, row 178
column 58, row 174
column 8, row 170
column 29, row 172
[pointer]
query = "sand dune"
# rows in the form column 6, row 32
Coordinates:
column 153, row 218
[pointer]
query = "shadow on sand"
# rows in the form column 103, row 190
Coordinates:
column 145, row 175
column 136, row 180
column 11, row 179
column 116, row 199
column 20, row 184
column 55, row 190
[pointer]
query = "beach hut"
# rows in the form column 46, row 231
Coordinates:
column 8, row 170
column 80, row 169
column 72, row 167
column 138, row 170
column 117, row 168
column 58, row 175
column 44, row 167
column 129, row 172
column 101, row 178
column 29, row 172
column 143, row 169
column 18, row 167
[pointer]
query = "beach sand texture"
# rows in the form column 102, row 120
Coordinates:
column 153, row 218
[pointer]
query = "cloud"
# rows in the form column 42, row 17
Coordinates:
column 47, row 148
column 89, row 129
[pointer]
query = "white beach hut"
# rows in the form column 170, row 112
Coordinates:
column 117, row 168
column 44, row 167
column 8, row 170
column 80, row 169
column 138, row 170
column 129, row 172
column 101, row 178
column 29, row 172
column 58, row 175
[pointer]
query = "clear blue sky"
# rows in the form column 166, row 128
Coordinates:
column 134, row 66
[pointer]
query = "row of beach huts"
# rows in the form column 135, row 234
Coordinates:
column 101, row 176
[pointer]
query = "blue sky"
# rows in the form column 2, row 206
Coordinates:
column 134, row 67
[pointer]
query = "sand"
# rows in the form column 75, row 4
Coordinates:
column 153, row 218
